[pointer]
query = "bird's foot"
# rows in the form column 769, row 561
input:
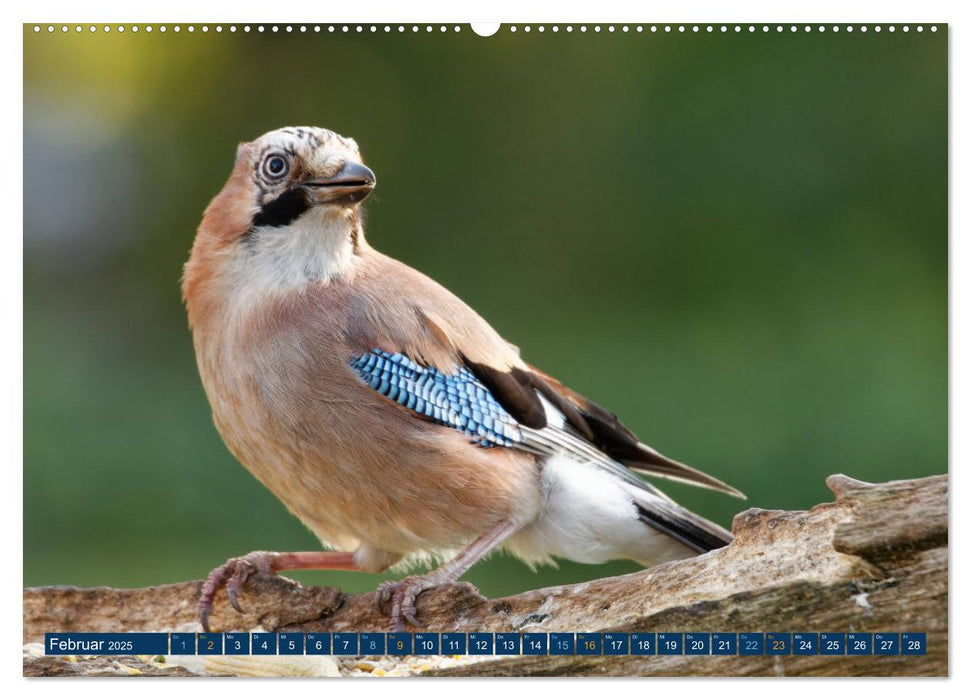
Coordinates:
column 402, row 595
column 233, row 576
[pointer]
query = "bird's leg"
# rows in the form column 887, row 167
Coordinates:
column 234, row 573
column 402, row 594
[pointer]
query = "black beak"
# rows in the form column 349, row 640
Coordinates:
column 349, row 186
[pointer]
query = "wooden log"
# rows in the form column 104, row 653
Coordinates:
column 875, row 560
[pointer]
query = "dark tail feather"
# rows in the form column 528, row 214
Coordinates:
column 687, row 528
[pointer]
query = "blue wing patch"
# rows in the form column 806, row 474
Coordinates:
column 457, row 400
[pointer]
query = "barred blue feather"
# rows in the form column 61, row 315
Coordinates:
column 457, row 400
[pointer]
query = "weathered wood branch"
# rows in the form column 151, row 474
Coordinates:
column 874, row 560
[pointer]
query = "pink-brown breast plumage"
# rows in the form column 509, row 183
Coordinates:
column 354, row 466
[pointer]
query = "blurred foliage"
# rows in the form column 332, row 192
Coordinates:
column 737, row 243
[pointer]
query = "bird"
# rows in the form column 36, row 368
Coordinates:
column 386, row 414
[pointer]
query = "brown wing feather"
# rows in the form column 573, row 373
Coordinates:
column 432, row 324
column 513, row 389
column 606, row 431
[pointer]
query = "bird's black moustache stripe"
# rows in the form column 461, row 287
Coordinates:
column 283, row 210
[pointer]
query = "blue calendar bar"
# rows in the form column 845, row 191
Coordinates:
column 778, row 643
column 589, row 644
column 643, row 643
column 236, row 643
column 724, row 643
column 318, row 643
column 429, row 644
column 98, row 644
column 886, row 643
column 751, row 643
column 697, row 643
column 536, row 644
column 832, row 643
column 455, row 643
column 507, row 643
column 859, row 644
column 372, row 643
column 670, row 643
column 616, row 643
column 491, row 643
column 263, row 643
column 805, row 643
column 563, row 643
column 913, row 643
column 210, row 643
column 291, row 643
column 184, row 643
column 345, row 644
column 399, row 644
column 482, row 643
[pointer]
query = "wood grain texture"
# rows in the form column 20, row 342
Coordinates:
column 874, row 560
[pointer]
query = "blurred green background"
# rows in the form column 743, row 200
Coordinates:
column 738, row 243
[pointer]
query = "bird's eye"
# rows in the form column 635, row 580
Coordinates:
column 275, row 166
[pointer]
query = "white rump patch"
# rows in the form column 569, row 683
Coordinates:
column 588, row 516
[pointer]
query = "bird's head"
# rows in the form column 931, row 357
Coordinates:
column 292, row 171
column 289, row 213
column 295, row 170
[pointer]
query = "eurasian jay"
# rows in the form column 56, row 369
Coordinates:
column 384, row 412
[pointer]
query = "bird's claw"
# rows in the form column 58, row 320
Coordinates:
column 232, row 576
column 402, row 596
column 382, row 595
